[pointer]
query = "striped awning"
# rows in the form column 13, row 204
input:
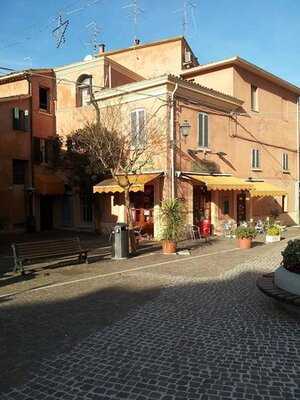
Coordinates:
column 221, row 182
column 264, row 189
column 137, row 182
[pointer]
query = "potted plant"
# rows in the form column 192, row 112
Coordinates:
column 171, row 224
column 287, row 276
column 273, row 234
column 245, row 234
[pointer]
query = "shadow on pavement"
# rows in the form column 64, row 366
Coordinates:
column 210, row 324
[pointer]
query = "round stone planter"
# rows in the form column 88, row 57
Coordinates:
column 287, row 280
column 272, row 239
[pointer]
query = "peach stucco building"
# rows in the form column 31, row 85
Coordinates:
column 231, row 131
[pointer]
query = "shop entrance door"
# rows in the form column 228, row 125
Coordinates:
column 201, row 203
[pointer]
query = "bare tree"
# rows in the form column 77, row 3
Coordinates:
column 123, row 144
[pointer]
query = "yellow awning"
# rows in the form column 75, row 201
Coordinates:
column 221, row 182
column 138, row 183
column 264, row 189
column 49, row 184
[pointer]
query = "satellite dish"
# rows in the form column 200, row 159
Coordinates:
column 89, row 57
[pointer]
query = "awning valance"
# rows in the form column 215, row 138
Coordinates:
column 49, row 184
column 264, row 189
column 221, row 182
column 137, row 182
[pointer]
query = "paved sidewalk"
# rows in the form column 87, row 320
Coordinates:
column 191, row 328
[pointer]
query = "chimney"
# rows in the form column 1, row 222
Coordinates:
column 136, row 42
column 102, row 48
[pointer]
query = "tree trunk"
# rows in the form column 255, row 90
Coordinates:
column 132, row 240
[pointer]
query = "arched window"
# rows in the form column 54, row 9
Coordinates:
column 83, row 90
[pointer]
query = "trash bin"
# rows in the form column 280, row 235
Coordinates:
column 120, row 246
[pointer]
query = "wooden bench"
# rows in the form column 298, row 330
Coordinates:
column 28, row 253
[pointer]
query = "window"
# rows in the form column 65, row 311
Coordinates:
column 254, row 98
column 285, row 162
column 138, row 134
column 44, row 99
column 83, row 91
column 255, row 159
column 19, row 171
column 86, row 205
column 42, row 150
column 20, row 119
column 202, row 130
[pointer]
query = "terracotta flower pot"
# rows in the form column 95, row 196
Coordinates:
column 168, row 246
column 245, row 243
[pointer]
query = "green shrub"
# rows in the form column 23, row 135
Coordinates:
column 245, row 232
column 291, row 256
column 274, row 230
column 171, row 219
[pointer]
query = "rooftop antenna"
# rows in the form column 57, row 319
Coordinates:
column 60, row 31
column 94, row 34
column 135, row 12
column 187, row 10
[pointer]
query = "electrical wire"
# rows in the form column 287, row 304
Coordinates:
column 49, row 22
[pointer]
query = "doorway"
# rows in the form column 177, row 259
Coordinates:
column 241, row 207
column 46, row 212
column 201, row 203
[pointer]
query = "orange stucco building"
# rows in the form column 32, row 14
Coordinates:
column 28, row 184
column 231, row 132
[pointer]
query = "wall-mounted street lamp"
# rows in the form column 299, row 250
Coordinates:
column 185, row 128
column 221, row 153
column 207, row 151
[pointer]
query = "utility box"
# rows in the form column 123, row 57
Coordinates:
column 120, row 245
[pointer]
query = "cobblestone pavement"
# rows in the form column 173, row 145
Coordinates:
column 190, row 337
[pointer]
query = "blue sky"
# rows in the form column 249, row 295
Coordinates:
column 264, row 32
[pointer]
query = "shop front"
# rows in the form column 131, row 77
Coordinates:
column 145, row 197
column 224, row 200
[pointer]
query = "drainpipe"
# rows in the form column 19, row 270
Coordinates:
column 298, row 164
column 173, row 141
column 31, row 223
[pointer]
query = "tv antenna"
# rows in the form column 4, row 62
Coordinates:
column 135, row 12
column 94, row 34
column 60, row 31
column 188, row 12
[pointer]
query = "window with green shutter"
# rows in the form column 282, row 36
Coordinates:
column 255, row 159
column 202, row 130
column 20, row 119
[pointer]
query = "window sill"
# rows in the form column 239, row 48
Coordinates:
column 286, row 172
column 44, row 112
column 204, row 149
column 256, row 169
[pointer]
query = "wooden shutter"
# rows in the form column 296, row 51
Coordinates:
column 134, row 128
column 16, row 118
column 202, row 130
column 205, row 130
column 37, row 156
column 141, row 128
